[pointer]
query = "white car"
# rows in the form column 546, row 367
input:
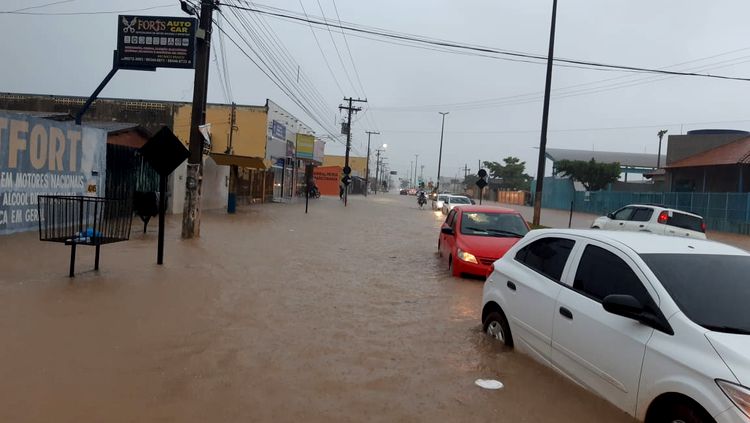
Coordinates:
column 659, row 326
column 437, row 204
column 656, row 219
column 452, row 201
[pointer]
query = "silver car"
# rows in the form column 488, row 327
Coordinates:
column 453, row 201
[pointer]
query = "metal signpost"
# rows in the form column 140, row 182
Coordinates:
column 164, row 152
column 481, row 183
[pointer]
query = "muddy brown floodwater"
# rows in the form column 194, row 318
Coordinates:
column 344, row 314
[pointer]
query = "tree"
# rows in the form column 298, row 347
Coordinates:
column 511, row 173
column 594, row 176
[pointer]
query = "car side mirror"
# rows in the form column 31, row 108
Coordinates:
column 447, row 230
column 623, row 305
column 629, row 307
column 611, row 215
column 473, row 202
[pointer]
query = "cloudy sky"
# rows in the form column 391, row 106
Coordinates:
column 495, row 105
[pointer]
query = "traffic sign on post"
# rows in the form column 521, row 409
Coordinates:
column 347, row 170
column 481, row 182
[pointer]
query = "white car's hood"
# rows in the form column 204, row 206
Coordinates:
column 733, row 349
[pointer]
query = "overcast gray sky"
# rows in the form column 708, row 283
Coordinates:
column 70, row 54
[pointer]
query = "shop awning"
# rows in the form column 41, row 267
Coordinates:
column 241, row 161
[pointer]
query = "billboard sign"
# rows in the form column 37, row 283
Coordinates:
column 319, row 151
column 156, row 41
column 305, row 146
column 45, row 157
column 278, row 130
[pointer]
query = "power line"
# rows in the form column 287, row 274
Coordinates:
column 456, row 45
column 336, row 47
column 100, row 12
column 39, row 6
column 328, row 65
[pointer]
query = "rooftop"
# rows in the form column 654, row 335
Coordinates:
column 735, row 152
column 640, row 160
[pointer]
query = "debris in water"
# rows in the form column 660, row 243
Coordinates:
column 488, row 383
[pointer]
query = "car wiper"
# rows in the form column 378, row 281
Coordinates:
column 727, row 329
column 510, row 233
column 475, row 229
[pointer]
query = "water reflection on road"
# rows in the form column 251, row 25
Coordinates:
column 343, row 314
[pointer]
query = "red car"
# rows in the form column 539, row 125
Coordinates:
column 473, row 237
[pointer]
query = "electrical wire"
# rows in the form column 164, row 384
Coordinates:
column 336, row 47
column 39, row 6
column 99, row 12
column 491, row 50
column 322, row 53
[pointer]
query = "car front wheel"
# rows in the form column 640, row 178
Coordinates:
column 496, row 326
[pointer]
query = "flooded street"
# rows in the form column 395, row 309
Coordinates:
column 343, row 314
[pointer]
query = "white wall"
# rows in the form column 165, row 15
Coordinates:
column 215, row 187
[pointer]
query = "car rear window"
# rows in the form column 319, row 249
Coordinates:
column 712, row 290
column 686, row 221
column 460, row 200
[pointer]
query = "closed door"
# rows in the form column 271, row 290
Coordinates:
column 619, row 218
column 600, row 350
column 533, row 287
column 639, row 220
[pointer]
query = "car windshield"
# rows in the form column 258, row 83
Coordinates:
column 712, row 290
column 493, row 224
column 459, row 200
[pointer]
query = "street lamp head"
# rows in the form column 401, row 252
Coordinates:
column 443, row 113
column 385, row 145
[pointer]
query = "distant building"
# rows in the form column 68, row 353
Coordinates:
column 358, row 164
column 709, row 161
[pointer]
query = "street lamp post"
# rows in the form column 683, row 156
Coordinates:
column 440, row 155
column 367, row 175
column 378, row 165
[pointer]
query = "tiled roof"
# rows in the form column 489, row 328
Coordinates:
column 736, row 152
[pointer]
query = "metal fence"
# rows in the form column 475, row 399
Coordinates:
column 722, row 211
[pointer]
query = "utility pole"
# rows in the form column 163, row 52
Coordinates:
column 466, row 171
column 416, row 158
column 411, row 163
column 440, row 156
column 545, row 120
column 191, row 216
column 658, row 158
column 233, row 171
column 421, row 172
column 349, row 109
column 367, row 177
column 377, row 171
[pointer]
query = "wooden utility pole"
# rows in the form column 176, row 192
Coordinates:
column 545, row 121
column 350, row 109
column 233, row 171
column 191, row 216
column 367, row 176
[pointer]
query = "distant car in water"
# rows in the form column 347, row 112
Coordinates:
column 403, row 191
column 453, row 201
column 437, row 203
column 412, row 191
column 473, row 237
column 655, row 219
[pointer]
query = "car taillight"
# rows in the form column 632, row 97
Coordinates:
column 703, row 226
column 491, row 271
column 663, row 217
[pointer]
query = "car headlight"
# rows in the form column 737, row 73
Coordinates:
column 738, row 394
column 467, row 257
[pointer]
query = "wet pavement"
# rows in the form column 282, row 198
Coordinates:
column 344, row 314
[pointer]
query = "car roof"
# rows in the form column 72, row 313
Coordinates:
column 663, row 207
column 486, row 209
column 647, row 243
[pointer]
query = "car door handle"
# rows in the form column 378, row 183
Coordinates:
column 641, row 226
column 566, row 313
column 512, row 286
column 621, row 223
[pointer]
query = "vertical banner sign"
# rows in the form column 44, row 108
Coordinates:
column 305, row 146
column 156, row 42
column 45, row 157
column 319, row 151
